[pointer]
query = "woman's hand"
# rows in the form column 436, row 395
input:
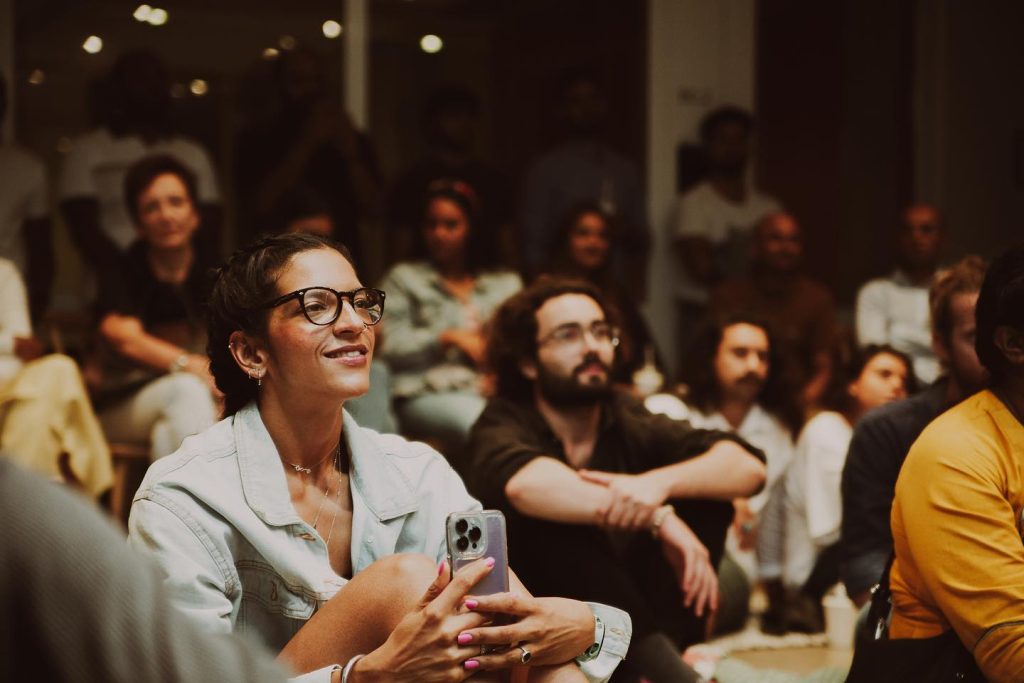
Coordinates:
column 691, row 561
column 424, row 646
column 469, row 341
column 553, row 630
column 744, row 524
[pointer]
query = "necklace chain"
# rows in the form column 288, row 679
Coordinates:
column 327, row 492
column 309, row 470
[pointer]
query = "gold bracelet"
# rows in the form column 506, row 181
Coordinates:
column 659, row 517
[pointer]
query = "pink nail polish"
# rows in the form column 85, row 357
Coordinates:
column 471, row 604
column 465, row 638
column 440, row 568
column 471, row 664
column 489, row 561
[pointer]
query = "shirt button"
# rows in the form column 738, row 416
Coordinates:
column 369, row 540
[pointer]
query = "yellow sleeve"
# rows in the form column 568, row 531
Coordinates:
column 960, row 531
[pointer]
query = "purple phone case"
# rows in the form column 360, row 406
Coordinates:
column 492, row 544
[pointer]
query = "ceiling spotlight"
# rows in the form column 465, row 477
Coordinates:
column 431, row 44
column 93, row 44
column 157, row 17
column 142, row 13
column 199, row 87
column 331, row 29
column 286, row 42
column 37, row 77
column 270, row 53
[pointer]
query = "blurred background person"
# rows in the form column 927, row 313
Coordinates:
column 873, row 376
column 894, row 309
column 799, row 309
column 715, row 219
column 26, row 238
column 584, row 167
column 310, row 143
column 587, row 238
column 450, row 125
column 883, row 438
column 151, row 378
column 47, row 423
column 438, row 305
column 735, row 383
column 137, row 122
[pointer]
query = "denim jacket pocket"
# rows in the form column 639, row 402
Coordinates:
column 269, row 606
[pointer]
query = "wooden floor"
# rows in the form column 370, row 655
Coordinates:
column 797, row 660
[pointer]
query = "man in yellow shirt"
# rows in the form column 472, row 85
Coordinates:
column 956, row 519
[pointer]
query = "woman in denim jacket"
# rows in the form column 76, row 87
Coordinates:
column 288, row 521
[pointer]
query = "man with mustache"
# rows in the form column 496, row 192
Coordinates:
column 604, row 501
column 735, row 381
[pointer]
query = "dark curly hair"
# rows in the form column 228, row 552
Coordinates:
column 1000, row 302
column 478, row 256
column 698, row 371
column 848, row 364
column 143, row 172
column 512, row 333
column 242, row 285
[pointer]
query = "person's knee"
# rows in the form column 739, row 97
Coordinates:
column 405, row 569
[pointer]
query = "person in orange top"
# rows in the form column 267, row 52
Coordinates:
column 957, row 516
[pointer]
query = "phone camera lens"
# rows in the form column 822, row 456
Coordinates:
column 462, row 543
column 474, row 534
column 461, row 526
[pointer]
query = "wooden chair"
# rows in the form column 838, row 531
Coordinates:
column 130, row 461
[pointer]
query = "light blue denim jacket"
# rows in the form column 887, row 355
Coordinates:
column 217, row 517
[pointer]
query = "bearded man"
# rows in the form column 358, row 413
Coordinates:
column 605, row 502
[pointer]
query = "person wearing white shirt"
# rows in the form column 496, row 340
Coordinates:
column 91, row 184
column 46, row 421
column 894, row 309
column 25, row 231
column 715, row 219
column 813, row 509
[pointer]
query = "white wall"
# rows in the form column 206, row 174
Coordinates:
column 701, row 55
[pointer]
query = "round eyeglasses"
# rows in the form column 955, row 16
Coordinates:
column 573, row 334
column 322, row 305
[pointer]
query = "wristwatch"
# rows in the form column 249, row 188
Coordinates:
column 594, row 650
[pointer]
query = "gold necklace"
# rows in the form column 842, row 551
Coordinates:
column 309, row 470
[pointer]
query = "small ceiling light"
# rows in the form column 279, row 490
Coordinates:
column 431, row 44
column 178, row 90
column 142, row 13
column 270, row 53
column 199, row 87
column 331, row 29
column 93, row 44
column 157, row 17
column 37, row 77
column 286, row 42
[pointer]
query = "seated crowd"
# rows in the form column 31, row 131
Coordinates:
column 310, row 432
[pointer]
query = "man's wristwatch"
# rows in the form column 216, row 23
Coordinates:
column 594, row 650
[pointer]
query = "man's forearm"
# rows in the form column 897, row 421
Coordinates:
column 549, row 489
column 724, row 472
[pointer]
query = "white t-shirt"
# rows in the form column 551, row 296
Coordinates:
column 892, row 310
column 813, row 506
column 14, row 318
column 703, row 212
column 23, row 197
column 763, row 430
column 97, row 164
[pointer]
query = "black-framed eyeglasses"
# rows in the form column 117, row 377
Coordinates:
column 572, row 334
column 322, row 305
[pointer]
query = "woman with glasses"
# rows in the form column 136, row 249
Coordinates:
column 437, row 309
column 290, row 522
column 149, row 380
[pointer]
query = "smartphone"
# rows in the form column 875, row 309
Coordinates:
column 473, row 535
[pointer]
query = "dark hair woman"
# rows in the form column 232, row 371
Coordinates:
column 150, row 380
column 437, row 308
column 289, row 521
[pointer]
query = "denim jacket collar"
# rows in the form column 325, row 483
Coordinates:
column 382, row 487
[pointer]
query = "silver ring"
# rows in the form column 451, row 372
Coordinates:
column 526, row 656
